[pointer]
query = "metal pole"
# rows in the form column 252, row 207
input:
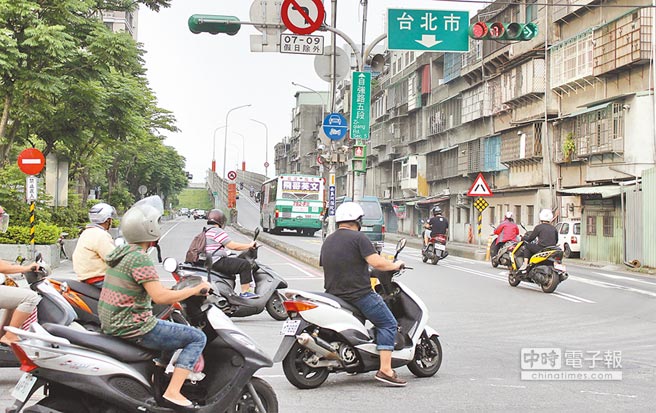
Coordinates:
column 266, row 146
column 32, row 223
column 243, row 149
column 214, row 148
column 225, row 137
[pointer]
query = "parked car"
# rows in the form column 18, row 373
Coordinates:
column 200, row 214
column 569, row 236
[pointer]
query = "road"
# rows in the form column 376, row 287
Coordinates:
column 595, row 316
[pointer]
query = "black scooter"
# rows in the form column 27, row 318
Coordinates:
column 267, row 286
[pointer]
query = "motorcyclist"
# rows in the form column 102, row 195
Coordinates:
column 252, row 191
column 218, row 239
column 17, row 303
column 439, row 225
column 506, row 231
column 545, row 234
column 94, row 244
column 132, row 284
column 345, row 257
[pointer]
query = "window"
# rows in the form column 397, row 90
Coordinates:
column 577, row 229
column 564, row 229
column 530, row 215
column 459, row 217
column 492, row 217
column 531, row 10
column 591, row 225
column 608, row 225
column 518, row 214
column 413, row 171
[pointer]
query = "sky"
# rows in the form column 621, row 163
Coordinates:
column 200, row 77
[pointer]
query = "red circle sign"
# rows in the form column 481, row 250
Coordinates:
column 266, row 164
column 232, row 175
column 302, row 16
column 31, row 161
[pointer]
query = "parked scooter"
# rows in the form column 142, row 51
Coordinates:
column 326, row 334
column 267, row 284
column 435, row 250
column 545, row 268
column 88, row 372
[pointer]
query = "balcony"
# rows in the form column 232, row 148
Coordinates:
column 524, row 83
column 522, row 146
column 572, row 63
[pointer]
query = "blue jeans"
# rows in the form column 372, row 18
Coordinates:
column 169, row 337
column 375, row 310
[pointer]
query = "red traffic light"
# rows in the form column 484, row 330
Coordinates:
column 497, row 30
column 478, row 30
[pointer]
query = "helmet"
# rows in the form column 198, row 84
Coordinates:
column 4, row 220
column 349, row 212
column 216, row 216
column 101, row 212
column 509, row 215
column 141, row 222
column 437, row 210
column 546, row 215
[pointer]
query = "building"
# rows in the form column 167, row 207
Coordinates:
column 121, row 21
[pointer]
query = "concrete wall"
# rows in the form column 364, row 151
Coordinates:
column 50, row 253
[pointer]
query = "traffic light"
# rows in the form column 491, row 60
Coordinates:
column 199, row 23
column 503, row 31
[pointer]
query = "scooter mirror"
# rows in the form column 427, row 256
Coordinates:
column 400, row 245
column 170, row 264
column 256, row 233
column 119, row 241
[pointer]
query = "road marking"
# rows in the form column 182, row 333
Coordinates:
column 620, row 277
column 170, row 229
column 512, row 386
column 632, row 396
column 574, row 297
column 302, row 270
column 605, row 284
column 290, row 262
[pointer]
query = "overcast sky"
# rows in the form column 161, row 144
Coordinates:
column 200, row 77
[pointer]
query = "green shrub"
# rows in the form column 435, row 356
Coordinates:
column 44, row 234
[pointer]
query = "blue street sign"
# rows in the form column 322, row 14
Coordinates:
column 331, row 200
column 335, row 126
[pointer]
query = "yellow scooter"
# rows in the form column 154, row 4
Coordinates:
column 545, row 268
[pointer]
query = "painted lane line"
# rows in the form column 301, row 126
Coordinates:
column 290, row 262
column 605, row 284
column 303, row 271
column 575, row 297
column 620, row 277
column 512, row 386
column 598, row 393
column 170, row 229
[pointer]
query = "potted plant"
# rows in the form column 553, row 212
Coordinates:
column 569, row 146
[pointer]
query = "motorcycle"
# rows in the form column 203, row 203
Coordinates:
column 545, row 268
column 267, row 284
column 435, row 250
column 90, row 372
column 502, row 255
column 326, row 334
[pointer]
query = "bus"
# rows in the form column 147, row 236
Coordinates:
column 293, row 202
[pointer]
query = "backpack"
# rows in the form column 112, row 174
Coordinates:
column 197, row 247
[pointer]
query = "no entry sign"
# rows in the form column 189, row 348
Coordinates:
column 31, row 161
column 302, row 16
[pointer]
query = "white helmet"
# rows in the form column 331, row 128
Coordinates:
column 141, row 222
column 546, row 215
column 509, row 215
column 101, row 212
column 349, row 211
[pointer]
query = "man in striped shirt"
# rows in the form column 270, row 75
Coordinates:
column 215, row 249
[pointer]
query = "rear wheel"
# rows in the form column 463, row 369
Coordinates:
column 428, row 357
column 247, row 404
column 275, row 308
column 300, row 374
column 513, row 280
column 551, row 282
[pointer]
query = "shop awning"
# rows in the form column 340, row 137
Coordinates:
column 587, row 110
column 433, row 200
column 450, row 148
column 606, row 191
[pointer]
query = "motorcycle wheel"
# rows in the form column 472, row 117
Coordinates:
column 428, row 357
column 300, row 374
column 494, row 262
column 435, row 258
column 424, row 258
column 513, row 280
column 275, row 308
column 551, row 283
column 265, row 392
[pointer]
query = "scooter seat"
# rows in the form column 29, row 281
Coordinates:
column 118, row 348
column 83, row 288
column 346, row 305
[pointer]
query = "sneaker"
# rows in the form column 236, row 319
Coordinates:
column 249, row 294
column 391, row 380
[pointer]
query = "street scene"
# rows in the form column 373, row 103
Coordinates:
column 323, row 206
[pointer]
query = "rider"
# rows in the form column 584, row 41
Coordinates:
column 439, row 225
column 94, row 244
column 132, row 284
column 545, row 233
column 18, row 303
column 506, row 231
column 345, row 257
column 218, row 239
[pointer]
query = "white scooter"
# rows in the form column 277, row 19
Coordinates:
column 325, row 334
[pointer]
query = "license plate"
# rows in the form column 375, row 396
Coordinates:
column 290, row 327
column 560, row 267
column 440, row 247
column 367, row 229
column 23, row 387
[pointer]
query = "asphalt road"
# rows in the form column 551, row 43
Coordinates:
column 598, row 321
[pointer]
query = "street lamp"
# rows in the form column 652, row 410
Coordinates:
column 323, row 102
column 266, row 147
column 214, row 148
column 225, row 138
column 243, row 150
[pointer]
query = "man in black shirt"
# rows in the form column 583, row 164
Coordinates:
column 545, row 233
column 438, row 225
column 345, row 257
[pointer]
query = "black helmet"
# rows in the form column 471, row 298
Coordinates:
column 437, row 210
column 216, row 216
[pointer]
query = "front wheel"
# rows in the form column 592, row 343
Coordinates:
column 513, row 279
column 428, row 357
column 247, row 404
column 275, row 308
column 495, row 263
column 298, row 372
column 551, row 282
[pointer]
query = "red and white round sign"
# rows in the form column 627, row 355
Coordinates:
column 302, row 16
column 266, row 164
column 31, row 161
column 232, row 175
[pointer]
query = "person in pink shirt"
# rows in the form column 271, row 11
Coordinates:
column 506, row 231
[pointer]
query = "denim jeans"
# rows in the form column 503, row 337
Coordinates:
column 169, row 337
column 375, row 310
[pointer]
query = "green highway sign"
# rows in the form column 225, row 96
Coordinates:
column 428, row 30
column 360, row 105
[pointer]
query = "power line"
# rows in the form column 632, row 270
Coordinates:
column 510, row 2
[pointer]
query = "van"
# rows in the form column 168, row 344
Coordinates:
column 373, row 224
column 569, row 236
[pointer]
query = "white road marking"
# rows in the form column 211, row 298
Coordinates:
column 302, row 270
column 605, row 284
column 620, row 277
column 512, row 386
column 632, row 396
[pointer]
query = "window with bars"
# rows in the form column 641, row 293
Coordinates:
column 572, row 59
column 518, row 214
column 591, row 225
column 492, row 154
column 492, row 217
column 608, row 225
column 444, row 116
column 531, row 10
column 600, row 131
column 530, row 215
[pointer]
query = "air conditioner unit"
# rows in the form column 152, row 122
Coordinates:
column 462, row 201
column 387, row 193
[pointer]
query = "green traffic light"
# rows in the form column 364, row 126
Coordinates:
column 214, row 24
column 529, row 31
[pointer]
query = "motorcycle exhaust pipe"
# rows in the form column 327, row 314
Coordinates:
column 310, row 343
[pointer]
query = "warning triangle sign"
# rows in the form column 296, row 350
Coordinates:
column 480, row 187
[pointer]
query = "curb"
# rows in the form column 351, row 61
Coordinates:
column 288, row 249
